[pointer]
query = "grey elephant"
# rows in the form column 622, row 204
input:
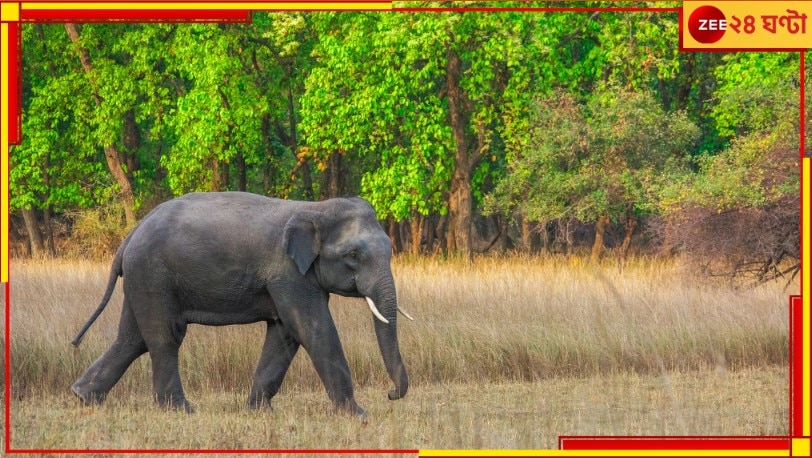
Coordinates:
column 234, row 258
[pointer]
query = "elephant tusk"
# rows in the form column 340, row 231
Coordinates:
column 403, row 312
column 375, row 310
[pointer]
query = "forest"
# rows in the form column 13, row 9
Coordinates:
column 469, row 132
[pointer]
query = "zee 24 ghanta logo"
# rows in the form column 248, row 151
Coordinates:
column 707, row 24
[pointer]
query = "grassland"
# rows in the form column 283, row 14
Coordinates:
column 504, row 353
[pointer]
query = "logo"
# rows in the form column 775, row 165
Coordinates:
column 707, row 24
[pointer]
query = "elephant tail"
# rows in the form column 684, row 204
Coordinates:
column 115, row 272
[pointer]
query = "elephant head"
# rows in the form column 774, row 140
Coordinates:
column 349, row 254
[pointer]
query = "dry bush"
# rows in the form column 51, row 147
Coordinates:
column 746, row 244
column 96, row 232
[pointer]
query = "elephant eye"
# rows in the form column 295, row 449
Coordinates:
column 352, row 255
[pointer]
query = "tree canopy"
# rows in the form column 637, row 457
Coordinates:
column 527, row 118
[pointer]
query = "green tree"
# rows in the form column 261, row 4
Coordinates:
column 427, row 97
column 372, row 100
column 737, row 215
column 58, row 166
column 218, row 115
column 596, row 162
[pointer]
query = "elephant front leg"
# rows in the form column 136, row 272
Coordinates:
column 277, row 353
column 309, row 321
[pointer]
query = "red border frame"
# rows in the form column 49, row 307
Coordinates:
column 591, row 443
column 241, row 16
column 796, row 376
column 15, row 86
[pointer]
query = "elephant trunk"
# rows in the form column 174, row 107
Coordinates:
column 385, row 300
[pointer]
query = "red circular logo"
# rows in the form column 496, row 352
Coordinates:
column 707, row 24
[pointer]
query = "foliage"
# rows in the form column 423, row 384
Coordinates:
column 373, row 97
column 57, row 165
column 577, row 114
column 586, row 160
column 738, row 215
column 757, row 92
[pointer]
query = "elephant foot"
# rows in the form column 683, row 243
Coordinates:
column 175, row 403
column 351, row 408
column 88, row 397
column 184, row 406
column 260, row 404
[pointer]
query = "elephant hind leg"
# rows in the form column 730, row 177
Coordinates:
column 164, row 344
column 164, row 330
column 167, row 388
column 277, row 354
column 92, row 387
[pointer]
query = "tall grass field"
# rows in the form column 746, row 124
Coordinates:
column 504, row 353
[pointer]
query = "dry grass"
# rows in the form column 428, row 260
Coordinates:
column 504, row 353
column 516, row 415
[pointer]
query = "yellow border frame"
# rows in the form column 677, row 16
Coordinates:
column 10, row 12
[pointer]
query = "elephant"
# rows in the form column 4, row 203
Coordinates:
column 223, row 258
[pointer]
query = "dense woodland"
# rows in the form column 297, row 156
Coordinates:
column 468, row 132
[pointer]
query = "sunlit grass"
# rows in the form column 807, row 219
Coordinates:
column 514, row 351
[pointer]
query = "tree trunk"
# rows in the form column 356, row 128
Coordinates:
column 527, row 242
column 502, row 240
column 600, row 230
column 685, row 81
column 34, row 235
column 241, row 173
column 335, row 174
column 303, row 164
column 307, row 180
column 394, row 237
column 442, row 233
column 450, row 241
column 460, row 198
column 630, row 225
column 268, row 166
column 46, row 213
column 131, row 141
column 111, row 153
column 404, row 232
column 417, row 232
column 125, row 187
column 216, row 181
column 429, row 231
column 225, row 176
column 266, row 178
column 49, row 232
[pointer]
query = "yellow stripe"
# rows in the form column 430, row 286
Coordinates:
column 208, row 6
column 604, row 453
column 4, row 209
column 807, row 269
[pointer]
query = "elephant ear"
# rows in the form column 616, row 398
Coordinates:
column 302, row 238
